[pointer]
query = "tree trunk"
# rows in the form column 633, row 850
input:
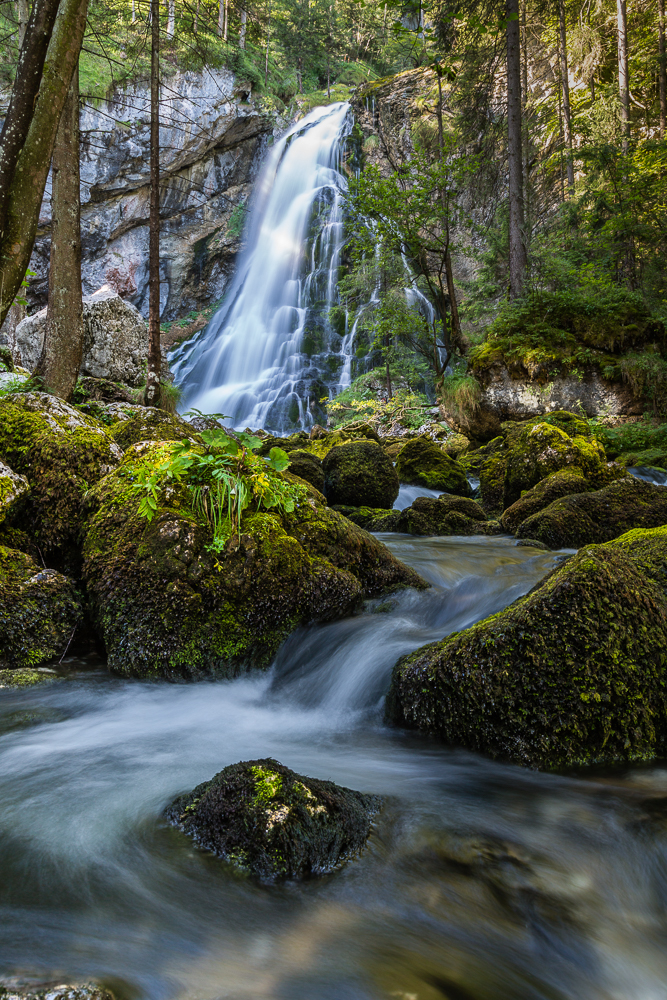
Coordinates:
column 24, row 15
column 623, row 77
column 567, row 117
column 171, row 18
column 517, row 250
column 23, row 174
column 224, row 34
column 196, row 24
column 457, row 337
column 60, row 362
column 298, row 74
column 152, row 395
column 221, row 19
column 268, row 38
column 662, row 68
column 244, row 22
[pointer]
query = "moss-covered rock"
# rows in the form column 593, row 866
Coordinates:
column 365, row 516
column 572, row 674
column 446, row 515
column 360, row 474
column 265, row 819
column 423, row 463
column 14, row 491
column 542, row 449
column 23, row 677
column 307, row 467
column 61, row 452
column 557, row 485
column 168, row 606
column 321, row 443
column 39, row 611
column 492, row 481
column 150, row 424
column 586, row 518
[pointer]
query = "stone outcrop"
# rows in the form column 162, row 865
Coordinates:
column 571, row 674
column 212, row 139
column 115, row 339
column 265, row 819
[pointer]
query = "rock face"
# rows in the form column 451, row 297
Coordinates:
column 422, row 463
column 168, row 606
column 115, row 338
column 39, row 611
column 590, row 517
column 265, row 819
column 61, row 453
column 212, row 140
column 571, row 674
column 360, row 474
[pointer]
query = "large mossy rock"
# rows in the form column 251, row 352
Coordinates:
column 146, row 423
column 446, row 515
column 39, row 611
column 167, row 606
column 360, row 474
column 572, row 674
column 307, row 467
column 586, row 518
column 61, row 452
column 265, row 819
column 421, row 463
column 321, row 442
column 554, row 487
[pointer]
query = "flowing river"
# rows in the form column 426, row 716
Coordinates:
column 480, row 880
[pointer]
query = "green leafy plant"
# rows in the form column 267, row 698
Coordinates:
column 222, row 477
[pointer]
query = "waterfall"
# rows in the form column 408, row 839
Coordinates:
column 270, row 352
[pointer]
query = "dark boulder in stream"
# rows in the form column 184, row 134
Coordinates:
column 168, row 604
column 359, row 473
column 265, row 819
column 441, row 516
column 571, row 674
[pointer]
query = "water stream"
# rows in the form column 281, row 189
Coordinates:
column 480, row 880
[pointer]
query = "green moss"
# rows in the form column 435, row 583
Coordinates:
column 61, row 452
column 151, row 424
column 421, row 463
column 599, row 516
column 263, row 818
column 557, row 485
column 571, row 674
column 22, row 678
column 39, row 611
column 359, row 473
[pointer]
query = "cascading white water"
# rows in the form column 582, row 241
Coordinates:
column 261, row 359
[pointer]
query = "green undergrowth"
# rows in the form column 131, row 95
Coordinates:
column 362, row 401
column 643, row 442
column 557, row 333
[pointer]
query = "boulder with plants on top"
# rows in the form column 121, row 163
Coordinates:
column 201, row 558
column 265, row 819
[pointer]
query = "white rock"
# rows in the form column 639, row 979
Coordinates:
column 13, row 490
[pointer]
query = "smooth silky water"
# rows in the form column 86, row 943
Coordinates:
column 479, row 881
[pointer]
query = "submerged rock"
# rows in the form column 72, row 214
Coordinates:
column 265, row 819
column 39, row 611
column 360, row 474
column 61, row 453
column 571, row 674
column 422, row 463
column 167, row 605
column 307, row 467
column 585, row 518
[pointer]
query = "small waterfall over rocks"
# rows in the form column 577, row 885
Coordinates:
column 270, row 352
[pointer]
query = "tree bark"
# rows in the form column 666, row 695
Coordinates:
column 221, row 19
column 244, row 22
column 60, row 362
column 517, row 250
column 171, row 18
column 25, row 92
column 662, row 68
column 152, row 394
column 623, row 77
column 268, row 39
column 567, row 117
column 21, row 197
column 24, row 15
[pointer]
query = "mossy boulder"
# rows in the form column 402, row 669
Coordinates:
column 147, row 423
column 39, row 611
column 360, row 474
column 585, row 518
column 542, row 449
column 446, row 515
column 557, row 485
column 322, row 442
column 572, row 674
column 422, row 463
column 307, row 467
column 166, row 605
column 61, row 452
column 14, row 491
column 265, row 819
column 365, row 516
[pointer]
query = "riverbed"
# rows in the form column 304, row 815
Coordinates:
column 480, row 880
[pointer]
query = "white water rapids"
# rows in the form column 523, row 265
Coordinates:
column 264, row 357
